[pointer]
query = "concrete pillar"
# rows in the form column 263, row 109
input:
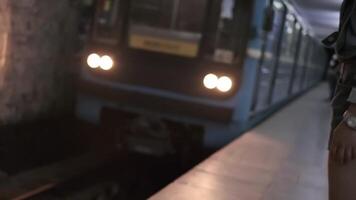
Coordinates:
column 37, row 39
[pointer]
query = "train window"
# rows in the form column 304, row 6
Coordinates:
column 108, row 23
column 167, row 26
column 178, row 15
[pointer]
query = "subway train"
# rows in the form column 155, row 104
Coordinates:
column 172, row 76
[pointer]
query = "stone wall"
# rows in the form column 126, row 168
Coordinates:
column 37, row 44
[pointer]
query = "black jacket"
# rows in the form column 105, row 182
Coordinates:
column 344, row 41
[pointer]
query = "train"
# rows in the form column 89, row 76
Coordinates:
column 174, row 76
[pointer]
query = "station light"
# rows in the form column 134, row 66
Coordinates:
column 104, row 62
column 278, row 5
column 290, row 30
column 93, row 60
column 335, row 57
column 298, row 26
column 290, row 17
column 223, row 84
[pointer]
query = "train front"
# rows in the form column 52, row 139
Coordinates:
column 160, row 68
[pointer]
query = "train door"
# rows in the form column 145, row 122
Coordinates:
column 266, row 68
column 296, row 59
column 308, row 61
column 311, row 67
column 301, row 62
column 305, row 62
column 286, row 60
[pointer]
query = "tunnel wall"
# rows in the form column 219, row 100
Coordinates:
column 37, row 45
column 4, row 30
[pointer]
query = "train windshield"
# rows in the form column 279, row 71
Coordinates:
column 167, row 26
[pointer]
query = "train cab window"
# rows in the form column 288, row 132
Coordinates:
column 226, row 25
column 86, row 15
column 108, row 22
column 227, row 31
column 167, row 26
column 225, row 43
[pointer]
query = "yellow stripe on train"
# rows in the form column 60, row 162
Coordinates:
column 186, row 49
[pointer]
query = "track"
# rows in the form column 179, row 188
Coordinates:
column 106, row 175
column 34, row 182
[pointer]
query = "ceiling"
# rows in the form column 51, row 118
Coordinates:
column 321, row 15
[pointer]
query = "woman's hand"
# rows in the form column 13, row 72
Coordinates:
column 343, row 147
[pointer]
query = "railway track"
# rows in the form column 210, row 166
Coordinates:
column 31, row 184
column 102, row 176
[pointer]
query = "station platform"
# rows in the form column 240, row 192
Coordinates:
column 284, row 158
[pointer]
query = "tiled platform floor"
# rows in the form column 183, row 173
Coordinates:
column 282, row 159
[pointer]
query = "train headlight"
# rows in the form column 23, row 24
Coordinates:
column 93, row 60
column 106, row 62
column 224, row 84
column 211, row 81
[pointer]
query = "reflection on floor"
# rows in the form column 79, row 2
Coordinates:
column 282, row 159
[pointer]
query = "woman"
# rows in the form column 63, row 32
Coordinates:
column 342, row 163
